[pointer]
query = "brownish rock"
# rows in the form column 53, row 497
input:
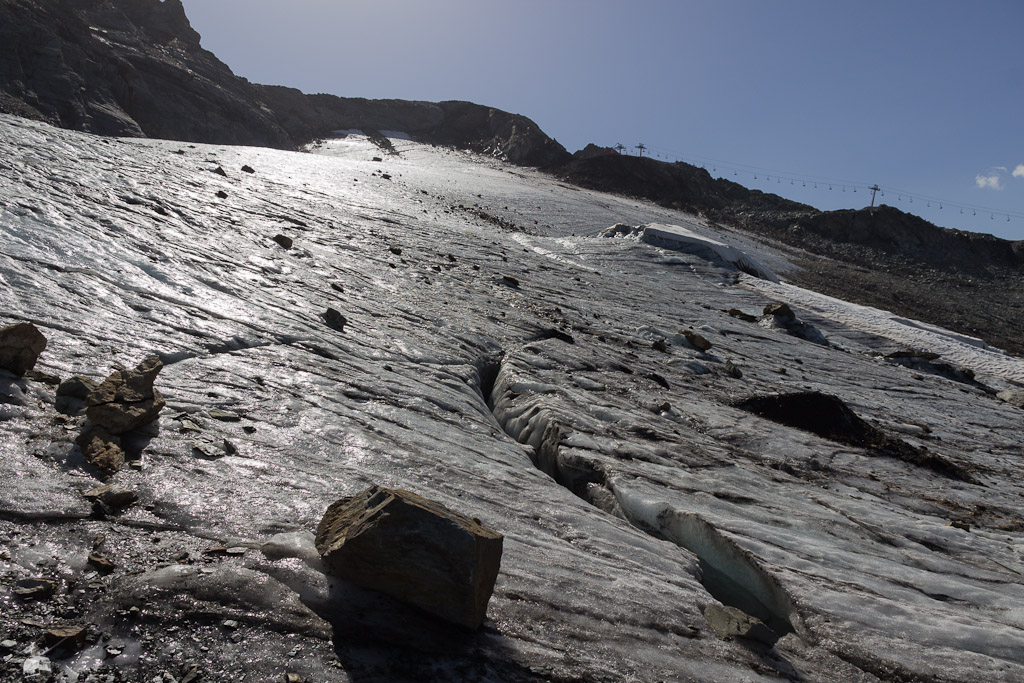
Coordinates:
column 102, row 449
column 126, row 399
column 20, row 346
column 696, row 341
column 67, row 636
column 414, row 549
column 113, row 496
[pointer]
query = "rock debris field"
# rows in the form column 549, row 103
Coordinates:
column 698, row 473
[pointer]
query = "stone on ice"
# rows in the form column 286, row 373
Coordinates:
column 102, row 449
column 414, row 549
column 20, row 346
column 126, row 399
column 730, row 622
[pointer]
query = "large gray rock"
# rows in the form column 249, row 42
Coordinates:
column 414, row 549
column 126, row 399
column 20, row 346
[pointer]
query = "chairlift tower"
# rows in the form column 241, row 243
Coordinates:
column 874, row 188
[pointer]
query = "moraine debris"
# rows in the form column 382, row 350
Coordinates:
column 102, row 449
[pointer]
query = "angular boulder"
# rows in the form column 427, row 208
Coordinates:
column 126, row 399
column 413, row 549
column 20, row 346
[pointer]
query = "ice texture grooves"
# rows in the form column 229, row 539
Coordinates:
column 458, row 277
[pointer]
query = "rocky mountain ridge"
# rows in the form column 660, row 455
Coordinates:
column 137, row 69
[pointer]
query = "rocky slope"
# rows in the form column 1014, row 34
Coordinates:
column 136, row 68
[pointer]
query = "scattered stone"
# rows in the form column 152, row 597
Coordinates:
column 78, row 386
column 220, row 171
column 102, row 449
column 248, row 169
column 397, row 251
column 695, row 340
column 335, row 320
column 782, row 311
column 189, row 425
column 413, row 549
column 113, row 496
column 745, row 317
column 913, row 354
column 377, row 159
column 8, row 645
column 658, row 379
column 293, row 678
column 126, row 400
column 230, row 624
column 658, row 408
column 733, row 370
column 36, row 668
column 660, row 345
column 67, row 636
column 222, row 194
column 20, row 346
column 205, row 449
column 113, row 650
column 1012, row 396
column 781, row 317
column 510, row 281
column 224, row 415
column 37, row 588
column 959, row 524
column 42, row 377
column 730, row 622
column 230, row 448
column 283, row 240
column 385, row 176
column 101, row 564
column 338, row 287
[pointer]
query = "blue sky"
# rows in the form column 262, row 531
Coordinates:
column 924, row 98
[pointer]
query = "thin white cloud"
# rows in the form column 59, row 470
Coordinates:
column 990, row 181
column 1019, row 171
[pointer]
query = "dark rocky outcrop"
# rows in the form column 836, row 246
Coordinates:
column 136, row 68
column 20, row 346
column 414, row 549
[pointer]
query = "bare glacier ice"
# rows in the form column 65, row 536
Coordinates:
column 500, row 356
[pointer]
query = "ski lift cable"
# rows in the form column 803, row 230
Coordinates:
column 757, row 171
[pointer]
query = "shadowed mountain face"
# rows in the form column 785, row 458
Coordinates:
column 136, row 68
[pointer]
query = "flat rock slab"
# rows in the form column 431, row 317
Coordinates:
column 413, row 549
column 20, row 346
